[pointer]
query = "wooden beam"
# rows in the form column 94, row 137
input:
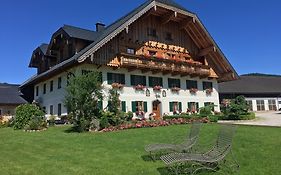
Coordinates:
column 184, row 23
column 166, row 18
column 145, row 70
column 206, row 51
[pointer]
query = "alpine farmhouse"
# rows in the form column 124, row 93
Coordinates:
column 159, row 57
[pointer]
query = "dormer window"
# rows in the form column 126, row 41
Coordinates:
column 130, row 51
column 151, row 32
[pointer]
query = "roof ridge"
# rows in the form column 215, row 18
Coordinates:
column 260, row 75
column 67, row 25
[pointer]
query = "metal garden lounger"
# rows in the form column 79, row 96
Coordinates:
column 153, row 149
column 209, row 160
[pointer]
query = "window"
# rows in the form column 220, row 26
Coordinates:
column 272, row 105
column 138, row 80
column 207, row 85
column 168, row 36
column 115, row 78
column 175, row 107
column 193, row 107
column 37, row 90
column 260, row 105
column 206, row 104
column 250, row 104
column 155, row 81
column 174, row 83
column 151, row 32
column 44, row 88
column 51, row 85
column 123, row 106
column 130, row 51
column 59, row 82
column 51, row 110
column 59, row 109
column 191, row 84
column 138, row 106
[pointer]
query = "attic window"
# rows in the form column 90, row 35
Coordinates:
column 130, row 51
column 151, row 32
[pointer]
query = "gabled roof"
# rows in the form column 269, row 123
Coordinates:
column 76, row 32
column 42, row 49
column 252, row 84
column 101, row 38
column 10, row 94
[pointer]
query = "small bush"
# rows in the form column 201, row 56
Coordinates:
column 52, row 120
column 104, row 122
column 25, row 113
column 214, row 118
column 36, row 123
column 206, row 111
column 249, row 116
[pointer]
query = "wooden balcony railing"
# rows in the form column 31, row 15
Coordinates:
column 161, row 65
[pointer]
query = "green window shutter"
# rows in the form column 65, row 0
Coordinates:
column 145, row 106
column 189, row 105
column 123, row 106
column 144, row 80
column 132, row 80
column 100, row 105
column 150, row 82
column 109, row 78
column 134, row 108
column 197, row 106
column 171, row 106
column 180, row 106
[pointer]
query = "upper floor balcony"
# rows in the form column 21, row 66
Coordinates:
column 161, row 65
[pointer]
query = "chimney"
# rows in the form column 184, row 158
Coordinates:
column 100, row 27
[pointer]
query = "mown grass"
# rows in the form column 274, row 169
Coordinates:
column 56, row 151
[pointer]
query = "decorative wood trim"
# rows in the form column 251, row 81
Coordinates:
column 166, row 18
column 206, row 51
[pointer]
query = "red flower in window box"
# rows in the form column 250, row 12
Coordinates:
column 157, row 88
column 140, row 87
column 209, row 91
column 193, row 90
column 175, row 89
column 117, row 85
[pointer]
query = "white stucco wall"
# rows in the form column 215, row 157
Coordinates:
column 128, row 93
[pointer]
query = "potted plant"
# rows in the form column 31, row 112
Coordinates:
column 209, row 91
column 157, row 88
column 139, row 87
column 175, row 89
column 193, row 90
column 117, row 86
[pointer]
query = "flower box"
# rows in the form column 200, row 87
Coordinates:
column 209, row 91
column 117, row 86
column 175, row 89
column 193, row 90
column 157, row 88
column 139, row 87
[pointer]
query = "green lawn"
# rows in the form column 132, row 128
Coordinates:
column 57, row 152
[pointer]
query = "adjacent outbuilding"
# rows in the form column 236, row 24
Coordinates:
column 262, row 91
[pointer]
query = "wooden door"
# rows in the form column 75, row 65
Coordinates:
column 156, row 110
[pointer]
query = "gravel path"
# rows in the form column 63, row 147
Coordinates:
column 262, row 119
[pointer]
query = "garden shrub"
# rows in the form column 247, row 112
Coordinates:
column 168, row 117
column 25, row 113
column 206, row 111
column 36, row 123
column 214, row 118
column 249, row 116
column 237, row 108
column 52, row 120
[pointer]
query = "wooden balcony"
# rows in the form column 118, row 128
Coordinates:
column 156, row 65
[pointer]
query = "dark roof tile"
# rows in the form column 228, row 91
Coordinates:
column 10, row 94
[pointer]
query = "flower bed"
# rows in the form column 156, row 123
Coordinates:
column 149, row 124
column 193, row 90
column 209, row 91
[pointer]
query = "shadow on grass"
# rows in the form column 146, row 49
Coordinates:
column 72, row 129
column 147, row 158
column 164, row 171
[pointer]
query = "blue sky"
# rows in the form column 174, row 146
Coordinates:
column 247, row 31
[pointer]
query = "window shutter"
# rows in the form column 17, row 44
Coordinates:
column 133, row 80
column 171, row 106
column 124, row 106
column 100, row 105
column 134, row 108
column 144, row 80
column 145, row 106
column 197, row 106
column 189, row 105
column 180, row 106
column 109, row 78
